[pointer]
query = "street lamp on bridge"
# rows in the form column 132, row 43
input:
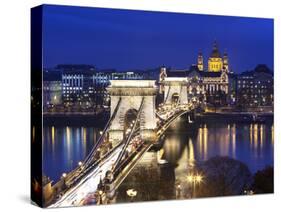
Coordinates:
column 80, row 165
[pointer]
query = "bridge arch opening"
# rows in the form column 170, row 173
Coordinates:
column 129, row 119
column 175, row 98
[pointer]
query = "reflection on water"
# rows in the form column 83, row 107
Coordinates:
column 183, row 147
column 250, row 143
column 186, row 145
column 64, row 147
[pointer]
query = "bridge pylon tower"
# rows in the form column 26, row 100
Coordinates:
column 131, row 93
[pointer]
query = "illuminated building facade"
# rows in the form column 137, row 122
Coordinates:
column 210, row 87
column 162, row 76
column 216, row 62
column 77, row 85
column 215, row 86
column 102, row 81
column 255, row 88
column 52, row 88
column 83, row 86
column 200, row 62
column 52, row 93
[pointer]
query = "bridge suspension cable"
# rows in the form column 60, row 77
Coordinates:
column 89, row 158
column 159, row 116
column 168, row 93
column 128, row 138
column 178, row 102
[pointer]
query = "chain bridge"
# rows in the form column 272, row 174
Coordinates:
column 134, row 126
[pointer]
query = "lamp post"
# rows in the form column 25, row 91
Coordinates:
column 178, row 191
column 131, row 193
column 80, row 165
column 194, row 179
column 63, row 176
column 100, row 196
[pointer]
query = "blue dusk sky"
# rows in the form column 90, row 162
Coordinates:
column 129, row 39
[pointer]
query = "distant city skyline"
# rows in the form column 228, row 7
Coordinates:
column 129, row 39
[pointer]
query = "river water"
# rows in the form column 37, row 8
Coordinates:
column 183, row 146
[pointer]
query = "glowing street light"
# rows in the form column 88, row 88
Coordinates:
column 178, row 191
column 248, row 192
column 194, row 179
column 80, row 163
column 190, row 178
column 131, row 193
column 198, row 179
column 100, row 192
column 63, row 178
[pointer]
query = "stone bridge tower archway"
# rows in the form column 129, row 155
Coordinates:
column 131, row 93
column 175, row 85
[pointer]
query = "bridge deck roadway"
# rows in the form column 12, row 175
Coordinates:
column 88, row 184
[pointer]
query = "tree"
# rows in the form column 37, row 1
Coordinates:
column 263, row 181
column 223, row 176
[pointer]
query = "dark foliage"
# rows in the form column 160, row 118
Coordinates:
column 263, row 181
column 224, row 176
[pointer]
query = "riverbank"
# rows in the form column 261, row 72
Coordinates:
column 76, row 119
column 242, row 117
column 99, row 120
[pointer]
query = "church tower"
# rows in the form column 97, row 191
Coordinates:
column 162, row 76
column 225, row 61
column 215, row 63
column 200, row 62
